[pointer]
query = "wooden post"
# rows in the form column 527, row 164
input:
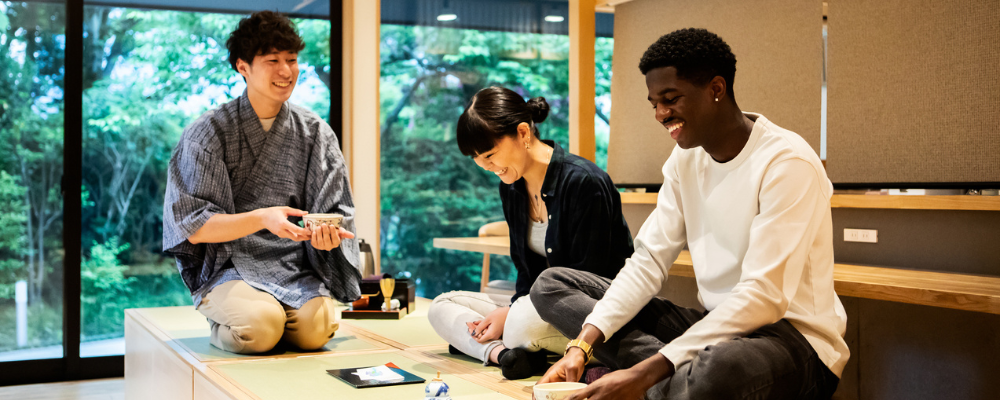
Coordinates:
column 362, row 20
column 581, row 78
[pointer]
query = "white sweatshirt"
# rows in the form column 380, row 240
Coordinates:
column 759, row 231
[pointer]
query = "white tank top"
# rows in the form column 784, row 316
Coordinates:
column 536, row 236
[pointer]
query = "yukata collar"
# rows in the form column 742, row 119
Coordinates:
column 250, row 121
column 267, row 147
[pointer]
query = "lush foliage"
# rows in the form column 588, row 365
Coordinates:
column 31, row 164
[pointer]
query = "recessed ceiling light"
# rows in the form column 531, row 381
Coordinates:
column 554, row 18
column 447, row 17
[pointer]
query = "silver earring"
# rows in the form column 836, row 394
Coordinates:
column 716, row 99
column 526, row 147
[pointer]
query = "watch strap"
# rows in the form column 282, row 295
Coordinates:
column 588, row 351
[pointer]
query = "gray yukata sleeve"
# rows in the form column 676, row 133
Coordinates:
column 198, row 187
column 329, row 191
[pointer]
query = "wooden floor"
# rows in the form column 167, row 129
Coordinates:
column 98, row 389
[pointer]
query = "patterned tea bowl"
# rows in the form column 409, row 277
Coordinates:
column 314, row 221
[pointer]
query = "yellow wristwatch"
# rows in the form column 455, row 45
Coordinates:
column 588, row 351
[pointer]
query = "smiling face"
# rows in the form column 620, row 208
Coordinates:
column 682, row 107
column 271, row 77
column 508, row 159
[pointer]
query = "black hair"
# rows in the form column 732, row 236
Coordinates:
column 262, row 32
column 697, row 54
column 493, row 113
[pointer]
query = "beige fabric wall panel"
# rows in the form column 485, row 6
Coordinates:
column 914, row 90
column 779, row 65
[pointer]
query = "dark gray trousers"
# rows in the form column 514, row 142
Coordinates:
column 773, row 362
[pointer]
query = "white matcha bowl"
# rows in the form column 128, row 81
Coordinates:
column 314, row 221
column 556, row 390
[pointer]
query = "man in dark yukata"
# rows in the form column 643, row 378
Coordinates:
column 237, row 176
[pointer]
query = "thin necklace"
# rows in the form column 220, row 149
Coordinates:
column 536, row 203
column 536, row 209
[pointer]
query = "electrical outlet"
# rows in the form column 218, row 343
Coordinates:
column 861, row 235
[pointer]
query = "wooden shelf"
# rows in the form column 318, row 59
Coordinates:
column 938, row 289
column 948, row 290
column 968, row 203
column 973, row 203
column 638, row 198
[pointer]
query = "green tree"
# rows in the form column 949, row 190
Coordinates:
column 13, row 215
column 103, row 278
column 31, row 132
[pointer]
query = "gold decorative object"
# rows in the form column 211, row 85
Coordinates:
column 388, row 285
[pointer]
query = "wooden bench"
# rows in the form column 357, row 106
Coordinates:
column 949, row 290
column 168, row 356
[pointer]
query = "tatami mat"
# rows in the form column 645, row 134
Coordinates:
column 189, row 328
column 269, row 379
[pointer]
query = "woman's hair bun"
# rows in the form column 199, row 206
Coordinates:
column 539, row 109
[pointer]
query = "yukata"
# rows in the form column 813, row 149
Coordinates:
column 226, row 163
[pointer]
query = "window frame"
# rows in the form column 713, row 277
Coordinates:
column 71, row 366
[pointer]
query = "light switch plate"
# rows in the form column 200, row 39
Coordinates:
column 861, row 235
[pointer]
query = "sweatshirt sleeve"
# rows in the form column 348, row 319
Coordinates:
column 792, row 206
column 657, row 245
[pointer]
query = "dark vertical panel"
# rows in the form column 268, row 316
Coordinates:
column 911, row 352
column 336, row 69
column 72, row 179
column 850, row 378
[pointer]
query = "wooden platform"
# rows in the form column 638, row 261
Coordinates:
column 168, row 356
column 948, row 290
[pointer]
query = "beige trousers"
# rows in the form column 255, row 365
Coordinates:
column 246, row 320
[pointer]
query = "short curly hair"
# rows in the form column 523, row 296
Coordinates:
column 697, row 54
column 262, row 32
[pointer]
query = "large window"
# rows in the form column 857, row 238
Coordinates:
column 32, row 46
column 428, row 188
column 107, row 91
column 147, row 75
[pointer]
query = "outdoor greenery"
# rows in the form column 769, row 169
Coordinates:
column 148, row 74
column 31, row 143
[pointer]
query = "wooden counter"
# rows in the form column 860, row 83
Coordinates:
column 948, row 290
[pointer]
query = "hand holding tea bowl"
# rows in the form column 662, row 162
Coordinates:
column 326, row 230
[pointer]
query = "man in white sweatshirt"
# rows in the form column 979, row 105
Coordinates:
column 752, row 203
